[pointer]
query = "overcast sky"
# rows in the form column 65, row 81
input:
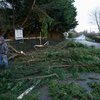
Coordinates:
column 85, row 8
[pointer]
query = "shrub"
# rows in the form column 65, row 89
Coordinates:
column 8, row 96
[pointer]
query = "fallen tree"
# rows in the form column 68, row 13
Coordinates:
column 15, row 54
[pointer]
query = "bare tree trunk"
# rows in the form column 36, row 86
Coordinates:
column 97, row 19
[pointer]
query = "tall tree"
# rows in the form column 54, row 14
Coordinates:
column 43, row 15
column 4, row 19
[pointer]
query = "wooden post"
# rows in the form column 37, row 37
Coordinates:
column 40, row 39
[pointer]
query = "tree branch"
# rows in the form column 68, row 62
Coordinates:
column 27, row 17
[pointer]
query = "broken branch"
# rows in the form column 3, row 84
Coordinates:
column 28, row 90
column 13, row 49
column 38, row 77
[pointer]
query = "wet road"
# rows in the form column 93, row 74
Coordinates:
column 82, row 39
column 97, row 45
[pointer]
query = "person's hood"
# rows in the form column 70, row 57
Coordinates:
column 2, row 39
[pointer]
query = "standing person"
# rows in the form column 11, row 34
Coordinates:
column 3, row 53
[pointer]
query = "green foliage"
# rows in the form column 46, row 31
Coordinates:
column 60, row 72
column 96, row 90
column 69, row 91
column 64, row 14
column 4, row 21
column 45, row 61
column 74, row 44
column 70, row 44
column 75, row 54
column 75, row 71
column 8, row 96
column 46, row 15
column 46, row 23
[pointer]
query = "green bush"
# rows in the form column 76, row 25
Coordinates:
column 71, row 91
column 95, row 90
column 70, row 44
column 8, row 96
